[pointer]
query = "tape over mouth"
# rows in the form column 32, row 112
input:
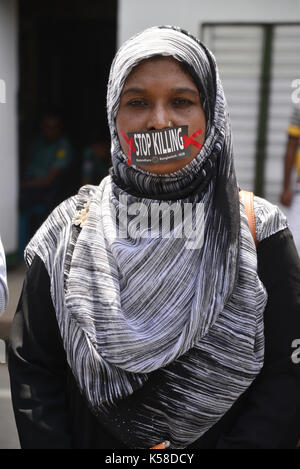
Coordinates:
column 158, row 146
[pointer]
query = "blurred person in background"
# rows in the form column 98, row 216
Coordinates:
column 290, row 196
column 3, row 281
column 96, row 161
column 42, row 187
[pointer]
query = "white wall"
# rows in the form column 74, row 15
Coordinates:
column 8, row 125
column 136, row 15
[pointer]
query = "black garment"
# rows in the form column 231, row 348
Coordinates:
column 51, row 413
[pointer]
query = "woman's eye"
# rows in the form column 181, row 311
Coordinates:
column 182, row 102
column 137, row 103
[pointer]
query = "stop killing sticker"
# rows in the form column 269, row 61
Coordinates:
column 159, row 146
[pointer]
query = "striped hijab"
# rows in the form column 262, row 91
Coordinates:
column 3, row 281
column 161, row 339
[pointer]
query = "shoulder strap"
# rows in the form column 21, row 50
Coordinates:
column 248, row 201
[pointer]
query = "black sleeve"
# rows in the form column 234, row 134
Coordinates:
column 37, row 366
column 270, row 415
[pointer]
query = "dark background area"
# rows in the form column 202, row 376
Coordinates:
column 65, row 52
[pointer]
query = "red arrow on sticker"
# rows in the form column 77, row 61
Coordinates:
column 190, row 140
column 131, row 145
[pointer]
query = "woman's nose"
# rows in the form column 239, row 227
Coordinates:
column 159, row 118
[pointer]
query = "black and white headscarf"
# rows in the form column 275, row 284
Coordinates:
column 161, row 339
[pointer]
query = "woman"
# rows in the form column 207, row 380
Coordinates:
column 3, row 281
column 125, row 341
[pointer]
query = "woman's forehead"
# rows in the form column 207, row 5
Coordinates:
column 158, row 68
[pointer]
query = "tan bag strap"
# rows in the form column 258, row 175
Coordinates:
column 248, row 201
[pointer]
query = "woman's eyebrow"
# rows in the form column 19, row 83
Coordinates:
column 133, row 90
column 184, row 90
column 179, row 90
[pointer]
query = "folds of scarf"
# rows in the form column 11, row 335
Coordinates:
column 180, row 398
